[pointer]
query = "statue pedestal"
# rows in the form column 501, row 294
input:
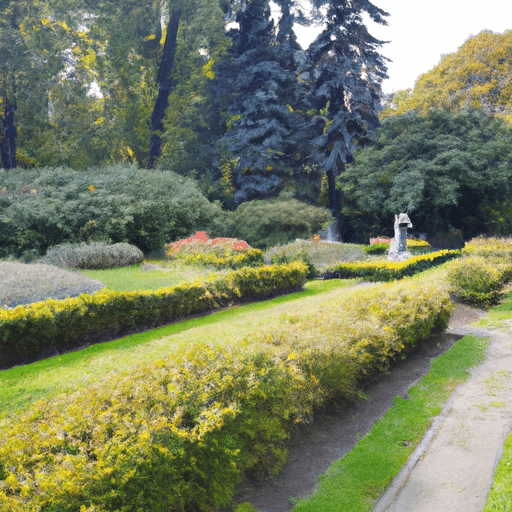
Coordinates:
column 398, row 246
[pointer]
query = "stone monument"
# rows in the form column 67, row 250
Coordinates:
column 398, row 246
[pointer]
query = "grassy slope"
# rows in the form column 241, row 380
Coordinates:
column 21, row 386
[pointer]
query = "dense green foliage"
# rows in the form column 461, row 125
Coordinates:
column 221, row 92
column 45, row 207
column 267, row 223
column 446, row 170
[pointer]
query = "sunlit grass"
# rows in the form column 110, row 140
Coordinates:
column 138, row 277
column 21, row 386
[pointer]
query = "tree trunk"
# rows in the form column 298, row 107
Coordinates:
column 8, row 137
column 334, row 200
column 165, row 85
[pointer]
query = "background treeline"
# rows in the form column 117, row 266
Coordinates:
column 41, row 208
column 223, row 93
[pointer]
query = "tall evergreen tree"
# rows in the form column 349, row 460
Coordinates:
column 266, row 133
column 299, row 114
column 346, row 71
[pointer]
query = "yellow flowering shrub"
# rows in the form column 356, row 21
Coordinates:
column 180, row 432
column 391, row 270
column 476, row 280
column 25, row 331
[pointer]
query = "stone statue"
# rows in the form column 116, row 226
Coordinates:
column 398, row 246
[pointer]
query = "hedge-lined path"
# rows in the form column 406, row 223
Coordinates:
column 452, row 469
column 333, row 435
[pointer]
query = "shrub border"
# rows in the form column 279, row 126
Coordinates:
column 390, row 270
column 27, row 332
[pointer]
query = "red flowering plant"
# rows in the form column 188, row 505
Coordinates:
column 217, row 252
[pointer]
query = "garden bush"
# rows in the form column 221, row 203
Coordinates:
column 94, row 255
column 27, row 331
column 40, row 208
column 376, row 248
column 178, row 433
column 267, row 223
column 390, row 270
column 476, row 280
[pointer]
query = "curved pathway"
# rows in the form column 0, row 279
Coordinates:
column 453, row 467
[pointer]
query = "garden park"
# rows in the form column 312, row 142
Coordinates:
column 172, row 321
column 140, row 396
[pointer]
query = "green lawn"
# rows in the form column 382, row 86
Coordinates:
column 135, row 277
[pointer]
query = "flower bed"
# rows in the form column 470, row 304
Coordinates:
column 216, row 252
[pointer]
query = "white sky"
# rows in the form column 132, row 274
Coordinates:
column 420, row 31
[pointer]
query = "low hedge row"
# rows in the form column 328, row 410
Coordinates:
column 27, row 331
column 390, row 270
column 179, row 433
column 228, row 259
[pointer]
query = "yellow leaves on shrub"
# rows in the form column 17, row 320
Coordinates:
column 179, row 433
column 26, row 330
column 391, row 270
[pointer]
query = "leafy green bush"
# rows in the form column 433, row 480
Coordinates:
column 94, row 255
column 476, row 280
column 376, row 248
column 273, row 222
column 40, row 208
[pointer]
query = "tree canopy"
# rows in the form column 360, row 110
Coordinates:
column 445, row 170
column 478, row 75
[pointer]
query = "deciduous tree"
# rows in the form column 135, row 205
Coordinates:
column 445, row 170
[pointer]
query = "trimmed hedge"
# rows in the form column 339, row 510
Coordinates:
column 27, row 331
column 179, row 433
column 390, row 270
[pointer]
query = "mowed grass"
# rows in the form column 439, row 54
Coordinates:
column 23, row 385
column 145, row 277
